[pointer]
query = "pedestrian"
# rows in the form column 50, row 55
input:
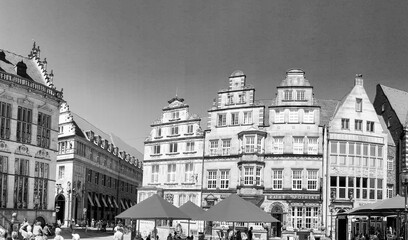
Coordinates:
column 238, row 237
column 169, row 237
column 58, row 234
column 25, row 231
column 93, row 223
column 46, row 232
column 118, row 235
column 148, row 237
column 3, row 234
column 75, row 236
column 250, row 234
column 14, row 235
column 37, row 231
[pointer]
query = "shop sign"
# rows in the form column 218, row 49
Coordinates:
column 293, row 197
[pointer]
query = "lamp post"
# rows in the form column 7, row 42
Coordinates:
column 404, row 181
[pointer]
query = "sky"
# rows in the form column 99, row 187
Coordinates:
column 119, row 62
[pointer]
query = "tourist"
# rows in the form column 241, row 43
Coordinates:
column 169, row 237
column 250, row 234
column 25, row 230
column 75, row 236
column 46, row 232
column 14, row 235
column 118, row 235
column 58, row 234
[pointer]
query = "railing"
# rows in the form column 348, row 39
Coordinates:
column 31, row 84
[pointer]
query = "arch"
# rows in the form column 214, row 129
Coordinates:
column 277, row 211
column 60, row 208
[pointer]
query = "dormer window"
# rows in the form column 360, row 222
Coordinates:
column 359, row 105
column 288, row 95
column 241, row 98
column 158, row 132
column 230, row 99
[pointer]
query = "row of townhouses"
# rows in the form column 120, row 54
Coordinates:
column 54, row 165
column 299, row 158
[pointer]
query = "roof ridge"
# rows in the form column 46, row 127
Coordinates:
column 15, row 54
column 394, row 88
column 77, row 115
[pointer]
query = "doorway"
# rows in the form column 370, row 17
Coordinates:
column 341, row 226
column 60, row 208
column 276, row 229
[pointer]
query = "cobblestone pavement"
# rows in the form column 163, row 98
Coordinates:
column 90, row 234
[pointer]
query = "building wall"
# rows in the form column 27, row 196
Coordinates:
column 174, row 173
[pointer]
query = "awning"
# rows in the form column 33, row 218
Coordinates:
column 90, row 200
column 110, row 202
column 116, row 204
column 104, row 202
column 123, row 205
column 97, row 201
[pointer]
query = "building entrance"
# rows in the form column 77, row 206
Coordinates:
column 342, row 227
column 277, row 212
column 60, row 208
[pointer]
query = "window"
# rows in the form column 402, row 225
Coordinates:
column 234, row 118
column 358, row 125
column 212, row 179
column 372, row 188
column 224, row 179
column 61, row 172
column 89, row 176
column 258, row 176
column 230, row 99
column 241, row 98
column 278, row 145
column 182, row 199
column 188, row 172
column 300, row 95
column 213, row 147
column 297, row 217
column 155, row 173
column 247, row 117
column 383, row 107
column 312, row 146
column 175, row 115
column 43, row 130
column 390, row 192
column 288, row 95
column 379, row 189
column 171, row 173
column 359, row 105
column 104, row 180
column 190, row 146
column 174, row 130
column 312, row 179
column 248, row 175
column 226, row 146
column 21, row 183
column 249, row 144
column 24, row 120
column 3, row 181
column 296, row 179
column 173, row 147
column 158, row 132
column 96, row 178
column 308, row 116
column 41, row 173
column 277, row 179
column 390, row 164
column 370, row 126
column 345, row 123
column 190, row 128
column 5, row 115
column 293, row 116
column 222, row 120
column 156, row 149
column 298, row 145
column 279, row 116
column 312, row 217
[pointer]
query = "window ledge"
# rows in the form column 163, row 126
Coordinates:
column 218, row 126
column 155, row 155
column 188, row 183
column 174, row 119
column 159, row 137
column 188, row 134
column 153, row 184
column 190, row 152
column 176, row 153
column 175, row 135
column 170, row 183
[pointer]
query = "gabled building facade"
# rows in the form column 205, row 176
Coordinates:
column 356, row 159
column 293, row 159
column 173, row 156
column 29, row 105
column 97, row 174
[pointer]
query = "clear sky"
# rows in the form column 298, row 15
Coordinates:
column 119, row 62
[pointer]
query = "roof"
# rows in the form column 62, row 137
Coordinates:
column 398, row 100
column 327, row 109
column 384, row 126
column 84, row 125
column 9, row 60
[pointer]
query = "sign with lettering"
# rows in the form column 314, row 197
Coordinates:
column 294, row 197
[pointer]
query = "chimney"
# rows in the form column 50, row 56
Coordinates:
column 359, row 80
column 21, row 69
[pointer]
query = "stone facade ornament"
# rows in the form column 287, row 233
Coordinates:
column 23, row 150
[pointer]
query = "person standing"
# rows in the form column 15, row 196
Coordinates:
column 37, row 231
column 58, row 234
column 118, row 234
column 250, row 234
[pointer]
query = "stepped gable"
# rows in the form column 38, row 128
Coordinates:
column 398, row 100
column 327, row 110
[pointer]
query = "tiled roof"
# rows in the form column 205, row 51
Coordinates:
column 84, row 125
column 398, row 100
column 9, row 60
column 327, row 109
column 384, row 126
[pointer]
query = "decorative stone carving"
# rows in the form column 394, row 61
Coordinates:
column 64, row 107
column 42, row 154
column 45, row 107
column 23, row 150
column 4, row 147
column 25, row 101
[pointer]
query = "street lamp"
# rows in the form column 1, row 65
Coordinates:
column 404, row 181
